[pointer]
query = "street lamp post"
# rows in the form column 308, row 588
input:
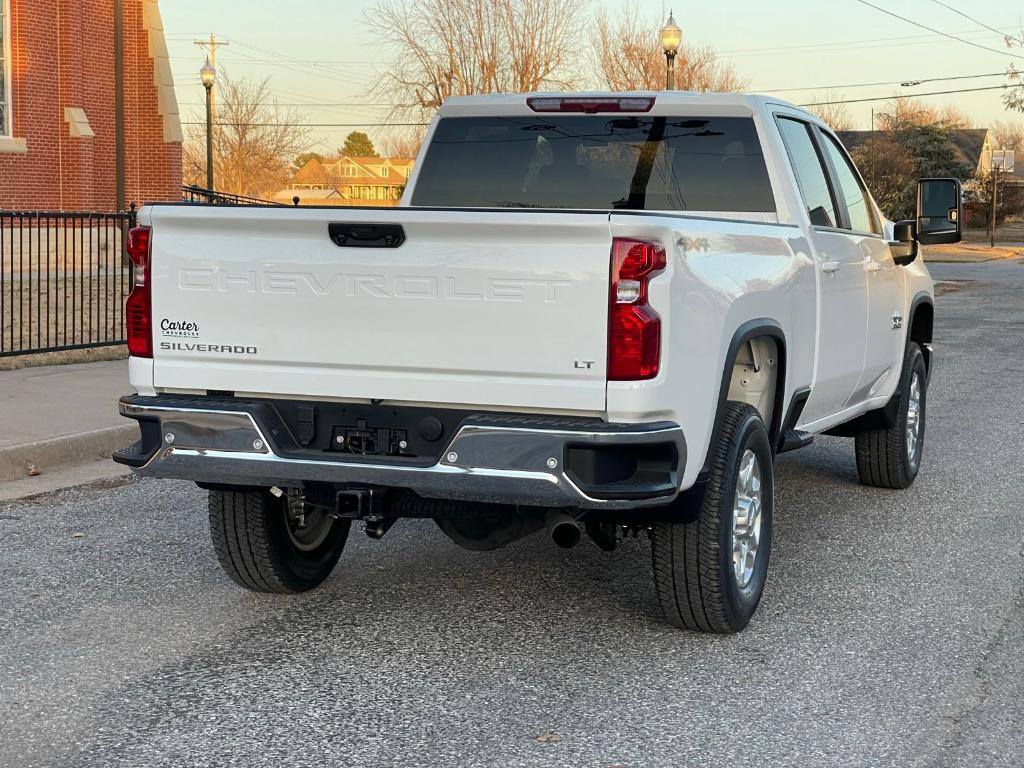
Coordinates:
column 208, row 74
column 671, row 37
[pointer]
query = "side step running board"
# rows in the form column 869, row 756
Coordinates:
column 793, row 439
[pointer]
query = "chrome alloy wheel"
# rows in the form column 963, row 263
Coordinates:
column 914, row 417
column 746, row 518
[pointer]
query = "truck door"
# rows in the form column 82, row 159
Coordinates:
column 883, row 354
column 841, row 263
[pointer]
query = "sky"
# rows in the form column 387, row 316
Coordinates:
column 323, row 51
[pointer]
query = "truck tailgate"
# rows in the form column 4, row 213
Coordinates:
column 484, row 308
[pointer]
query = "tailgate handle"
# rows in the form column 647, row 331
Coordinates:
column 367, row 235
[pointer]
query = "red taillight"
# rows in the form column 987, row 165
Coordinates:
column 590, row 104
column 634, row 329
column 138, row 310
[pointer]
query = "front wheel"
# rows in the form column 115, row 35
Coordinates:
column 266, row 545
column 891, row 458
column 709, row 573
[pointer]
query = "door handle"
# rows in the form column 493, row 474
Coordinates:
column 829, row 267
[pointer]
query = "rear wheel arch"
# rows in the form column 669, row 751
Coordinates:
column 754, row 333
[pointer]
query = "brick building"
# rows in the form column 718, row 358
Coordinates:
column 57, row 118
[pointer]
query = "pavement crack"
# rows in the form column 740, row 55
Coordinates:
column 951, row 726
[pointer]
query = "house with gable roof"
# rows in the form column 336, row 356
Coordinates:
column 344, row 180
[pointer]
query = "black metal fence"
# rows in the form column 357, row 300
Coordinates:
column 193, row 194
column 63, row 280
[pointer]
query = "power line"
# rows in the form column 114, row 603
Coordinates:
column 811, row 104
column 958, row 12
column 937, row 31
column 328, row 103
column 834, row 87
column 859, row 44
column 352, row 80
column 315, row 63
column 293, row 64
column 885, row 82
column 311, row 125
column 914, row 95
column 294, row 61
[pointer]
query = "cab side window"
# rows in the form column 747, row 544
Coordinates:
column 810, row 175
column 858, row 207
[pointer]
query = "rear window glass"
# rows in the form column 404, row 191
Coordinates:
column 596, row 161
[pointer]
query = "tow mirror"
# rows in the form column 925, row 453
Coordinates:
column 939, row 211
column 903, row 245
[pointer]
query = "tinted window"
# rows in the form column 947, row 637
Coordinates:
column 810, row 176
column 854, row 195
column 592, row 161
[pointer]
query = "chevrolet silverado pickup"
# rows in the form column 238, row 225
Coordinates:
column 595, row 314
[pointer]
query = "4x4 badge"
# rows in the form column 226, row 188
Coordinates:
column 897, row 320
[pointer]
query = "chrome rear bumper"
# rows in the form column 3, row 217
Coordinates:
column 484, row 462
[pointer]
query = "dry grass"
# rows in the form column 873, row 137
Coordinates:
column 38, row 312
column 30, row 249
column 66, row 357
column 1010, row 231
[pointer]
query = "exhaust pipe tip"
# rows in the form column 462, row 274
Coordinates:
column 565, row 530
column 566, row 535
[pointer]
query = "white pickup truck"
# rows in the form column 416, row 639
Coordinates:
column 599, row 313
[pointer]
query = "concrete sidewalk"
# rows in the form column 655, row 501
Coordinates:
column 972, row 253
column 53, row 417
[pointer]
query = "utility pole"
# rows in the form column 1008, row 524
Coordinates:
column 995, row 193
column 211, row 46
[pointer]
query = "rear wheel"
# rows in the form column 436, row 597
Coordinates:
column 891, row 458
column 709, row 573
column 268, row 545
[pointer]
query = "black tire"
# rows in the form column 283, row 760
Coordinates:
column 884, row 456
column 250, row 532
column 694, row 573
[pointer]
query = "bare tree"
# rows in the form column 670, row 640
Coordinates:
column 1009, row 136
column 441, row 48
column 836, row 116
column 904, row 112
column 403, row 143
column 254, row 141
column 630, row 58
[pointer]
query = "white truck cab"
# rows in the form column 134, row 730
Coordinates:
column 591, row 312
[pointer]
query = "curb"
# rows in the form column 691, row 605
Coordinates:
column 55, row 452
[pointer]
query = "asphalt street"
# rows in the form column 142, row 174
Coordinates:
column 890, row 633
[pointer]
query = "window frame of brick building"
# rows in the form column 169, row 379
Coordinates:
column 6, row 118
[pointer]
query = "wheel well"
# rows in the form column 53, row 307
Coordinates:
column 754, row 378
column 921, row 324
